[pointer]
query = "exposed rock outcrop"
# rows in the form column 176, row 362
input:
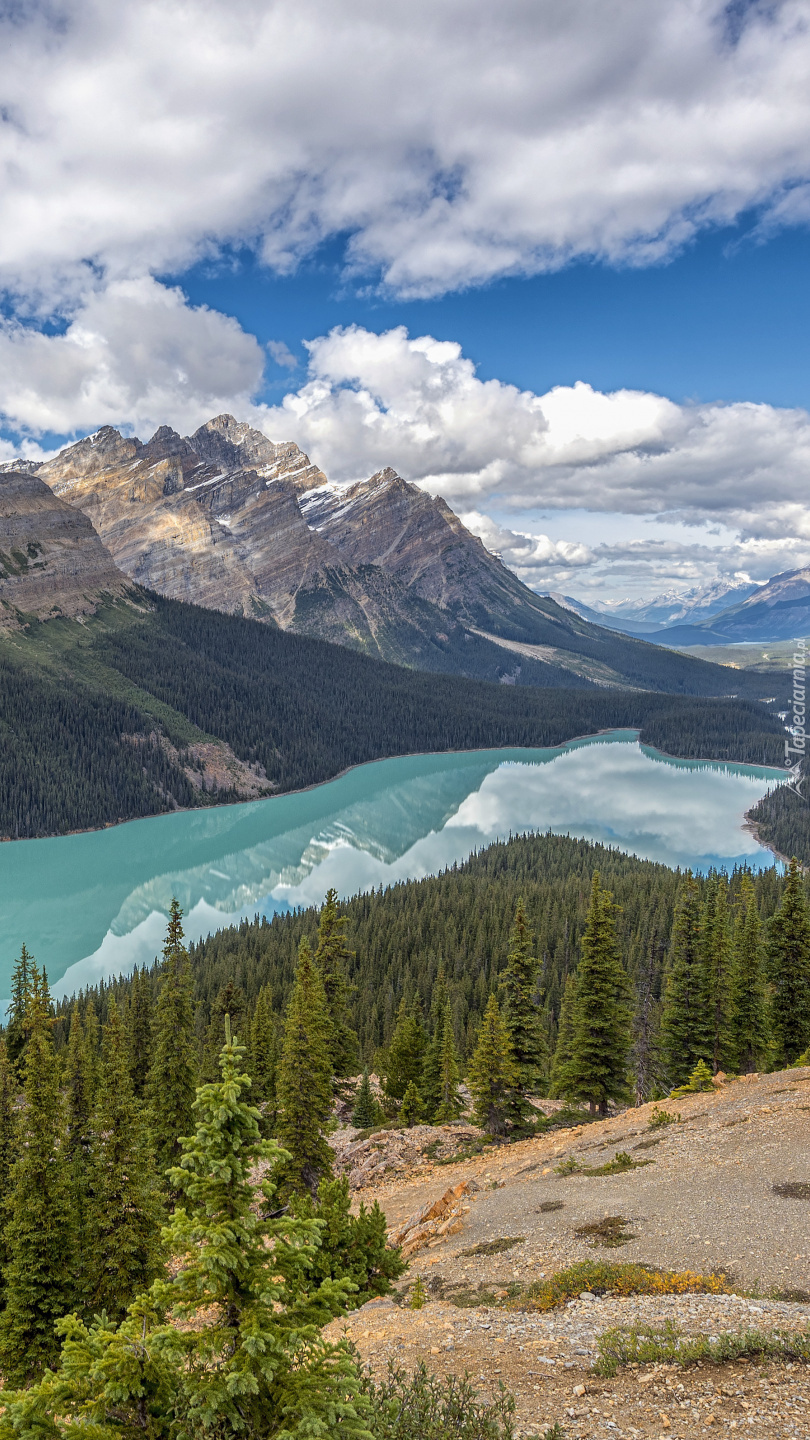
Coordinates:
column 52, row 562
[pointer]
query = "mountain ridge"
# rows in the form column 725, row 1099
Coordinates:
column 230, row 520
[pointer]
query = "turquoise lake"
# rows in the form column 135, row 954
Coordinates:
column 95, row 904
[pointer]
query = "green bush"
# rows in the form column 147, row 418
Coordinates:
column 645, row 1345
column 423, row 1407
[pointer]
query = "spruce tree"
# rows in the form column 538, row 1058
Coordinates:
column 412, row 1109
column 524, row 1018
column 565, row 1035
column 92, row 1043
column 79, row 1099
column 333, row 958
column 716, row 958
column 261, row 1366
column 139, row 1032
column 406, row 1052
column 432, row 1063
column 304, row 1084
column 172, row 1074
column 597, row 1068
column 750, row 1025
column 685, row 1037
column 645, row 1056
column 38, row 1238
column 493, row 1073
column 450, row 1103
column 264, row 1057
column 789, row 968
column 8, row 1142
column 123, row 1212
column 366, row 1111
column 17, row 1012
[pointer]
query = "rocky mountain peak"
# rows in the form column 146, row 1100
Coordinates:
column 232, row 444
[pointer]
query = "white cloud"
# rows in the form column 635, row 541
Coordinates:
column 282, row 354
column 732, row 482
column 135, row 355
column 452, row 143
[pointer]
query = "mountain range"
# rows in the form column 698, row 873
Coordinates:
column 229, row 520
column 723, row 613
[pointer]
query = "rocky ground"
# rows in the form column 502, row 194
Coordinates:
column 710, row 1192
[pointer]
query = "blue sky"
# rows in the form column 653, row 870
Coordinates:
column 549, row 262
column 727, row 319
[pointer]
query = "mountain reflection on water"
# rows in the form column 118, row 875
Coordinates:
column 95, row 904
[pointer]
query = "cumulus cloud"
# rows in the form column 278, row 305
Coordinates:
column 451, row 143
column 135, row 354
column 733, row 481
column 417, row 404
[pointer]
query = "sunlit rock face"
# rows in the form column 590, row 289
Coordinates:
column 231, row 520
column 52, row 562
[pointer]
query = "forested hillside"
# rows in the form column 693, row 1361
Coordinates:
column 98, row 719
column 782, row 820
column 459, row 921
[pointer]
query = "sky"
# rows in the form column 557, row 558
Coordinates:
column 549, row 262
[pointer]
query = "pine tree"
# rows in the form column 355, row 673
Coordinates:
column 789, row 968
column 333, row 957
column 450, row 1103
column 524, row 1019
column 18, row 1011
column 263, row 1368
column 432, row 1063
column 406, row 1051
column 366, row 1111
column 685, row 1021
column 412, row 1109
column 38, row 1236
column 264, row 1060
column 172, row 1074
column 304, row 1080
column 699, row 1080
column 352, row 1247
column 139, row 1032
column 597, row 1068
column 716, row 958
column 565, row 1035
column 123, row 1219
column 493, row 1073
column 750, row 1027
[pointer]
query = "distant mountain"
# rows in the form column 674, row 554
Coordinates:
column 232, row 521
column 779, row 610
column 51, row 560
column 647, row 617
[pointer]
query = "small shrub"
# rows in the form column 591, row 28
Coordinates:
column 549, row 1205
column 644, row 1345
column 495, row 1247
column 423, row 1407
column 601, row 1277
column 417, row 1296
column 700, row 1081
column 611, row 1232
column 793, row 1190
column 661, row 1117
column 620, row 1163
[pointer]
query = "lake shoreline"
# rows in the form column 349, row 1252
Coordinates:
column 378, row 760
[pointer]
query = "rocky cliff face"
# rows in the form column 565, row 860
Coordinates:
column 51, row 559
